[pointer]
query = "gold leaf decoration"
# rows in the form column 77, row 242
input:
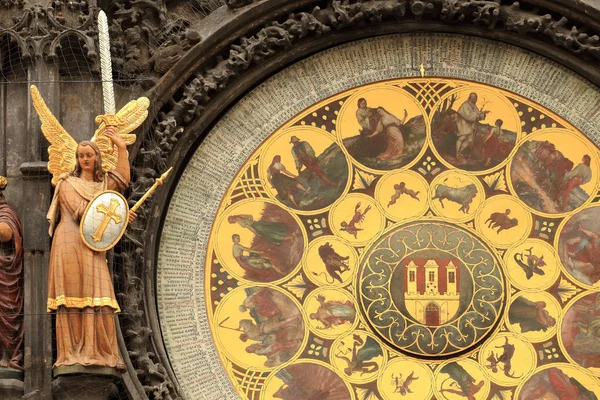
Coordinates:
column 362, row 180
column 62, row 149
column 125, row 121
column 247, row 185
column 297, row 286
column 496, row 181
column 566, row 290
column 249, row 382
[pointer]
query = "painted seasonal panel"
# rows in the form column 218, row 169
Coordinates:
column 412, row 239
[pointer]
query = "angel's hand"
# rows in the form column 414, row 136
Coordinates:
column 131, row 216
column 111, row 132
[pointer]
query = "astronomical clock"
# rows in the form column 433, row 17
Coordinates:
column 404, row 217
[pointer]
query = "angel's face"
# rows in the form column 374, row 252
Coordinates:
column 86, row 156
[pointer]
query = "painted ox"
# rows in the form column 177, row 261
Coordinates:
column 462, row 195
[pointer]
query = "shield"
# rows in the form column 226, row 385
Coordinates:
column 104, row 220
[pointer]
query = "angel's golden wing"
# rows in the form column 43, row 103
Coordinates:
column 63, row 148
column 126, row 120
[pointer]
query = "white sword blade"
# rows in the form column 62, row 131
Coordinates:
column 108, row 93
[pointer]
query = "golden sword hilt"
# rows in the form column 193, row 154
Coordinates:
column 109, row 120
column 157, row 183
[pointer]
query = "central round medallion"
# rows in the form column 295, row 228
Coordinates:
column 431, row 289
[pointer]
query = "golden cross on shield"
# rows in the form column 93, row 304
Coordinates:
column 109, row 214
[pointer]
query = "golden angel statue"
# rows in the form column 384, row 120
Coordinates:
column 80, row 287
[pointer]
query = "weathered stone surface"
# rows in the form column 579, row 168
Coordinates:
column 83, row 387
column 11, row 389
column 233, row 4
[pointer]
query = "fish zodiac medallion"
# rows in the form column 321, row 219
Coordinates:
column 431, row 289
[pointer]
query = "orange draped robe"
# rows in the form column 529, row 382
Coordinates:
column 80, row 287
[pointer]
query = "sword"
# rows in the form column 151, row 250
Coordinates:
column 108, row 92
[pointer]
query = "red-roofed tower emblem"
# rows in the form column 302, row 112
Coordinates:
column 432, row 289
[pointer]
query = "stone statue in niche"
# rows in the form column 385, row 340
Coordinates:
column 80, row 288
column 11, row 288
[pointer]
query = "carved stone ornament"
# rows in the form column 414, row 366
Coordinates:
column 147, row 39
column 38, row 31
column 233, row 4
